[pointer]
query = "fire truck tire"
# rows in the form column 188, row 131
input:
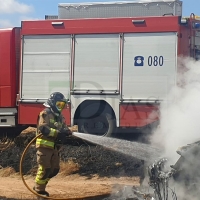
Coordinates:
column 101, row 125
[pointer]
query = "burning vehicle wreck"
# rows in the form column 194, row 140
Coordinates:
column 169, row 182
column 158, row 185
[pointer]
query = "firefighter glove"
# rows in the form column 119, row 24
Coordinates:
column 66, row 131
column 61, row 138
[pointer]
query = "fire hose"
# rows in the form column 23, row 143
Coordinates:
column 22, row 177
column 157, row 177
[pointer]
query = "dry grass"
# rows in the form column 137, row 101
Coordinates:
column 28, row 130
column 8, row 171
column 69, row 167
column 73, row 128
column 5, row 143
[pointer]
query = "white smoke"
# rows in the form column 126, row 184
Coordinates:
column 180, row 114
column 180, row 117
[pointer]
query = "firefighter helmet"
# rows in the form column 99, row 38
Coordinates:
column 57, row 102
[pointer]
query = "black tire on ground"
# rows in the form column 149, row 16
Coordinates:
column 101, row 124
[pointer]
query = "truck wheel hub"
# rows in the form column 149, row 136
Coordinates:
column 99, row 125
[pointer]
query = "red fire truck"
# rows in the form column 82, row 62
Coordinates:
column 115, row 71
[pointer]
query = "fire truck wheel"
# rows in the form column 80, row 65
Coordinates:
column 101, row 125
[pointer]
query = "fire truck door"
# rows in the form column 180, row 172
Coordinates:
column 97, row 63
column 45, row 66
column 149, row 65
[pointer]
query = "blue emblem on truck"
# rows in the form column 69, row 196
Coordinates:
column 139, row 61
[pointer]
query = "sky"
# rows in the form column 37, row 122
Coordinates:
column 12, row 12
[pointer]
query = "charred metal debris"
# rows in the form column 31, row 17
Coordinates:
column 158, row 185
column 159, row 180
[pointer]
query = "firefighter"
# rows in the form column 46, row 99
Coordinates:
column 51, row 125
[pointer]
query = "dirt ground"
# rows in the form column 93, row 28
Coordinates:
column 70, row 187
column 87, row 171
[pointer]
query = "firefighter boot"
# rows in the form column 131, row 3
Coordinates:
column 43, row 193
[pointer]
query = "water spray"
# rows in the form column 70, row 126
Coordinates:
column 158, row 179
column 137, row 150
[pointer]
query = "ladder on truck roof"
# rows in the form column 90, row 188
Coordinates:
column 194, row 37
